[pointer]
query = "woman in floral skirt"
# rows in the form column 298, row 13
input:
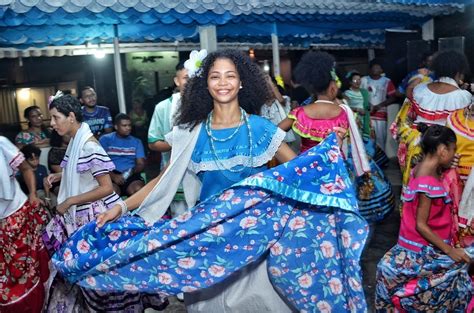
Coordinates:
column 277, row 241
column 23, row 258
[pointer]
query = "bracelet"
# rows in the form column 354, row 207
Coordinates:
column 123, row 207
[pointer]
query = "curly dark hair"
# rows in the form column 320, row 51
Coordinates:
column 67, row 104
column 314, row 71
column 449, row 63
column 197, row 102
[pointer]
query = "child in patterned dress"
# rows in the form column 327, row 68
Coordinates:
column 424, row 272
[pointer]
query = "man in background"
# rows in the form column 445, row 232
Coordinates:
column 381, row 94
column 128, row 155
column 161, row 124
column 97, row 116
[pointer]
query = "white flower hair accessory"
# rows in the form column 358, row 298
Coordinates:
column 58, row 94
column 193, row 64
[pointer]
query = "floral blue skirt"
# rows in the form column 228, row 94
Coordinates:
column 425, row 281
column 302, row 216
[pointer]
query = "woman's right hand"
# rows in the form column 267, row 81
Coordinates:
column 51, row 179
column 111, row 215
column 455, row 161
column 459, row 255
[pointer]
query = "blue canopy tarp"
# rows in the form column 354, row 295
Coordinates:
column 40, row 23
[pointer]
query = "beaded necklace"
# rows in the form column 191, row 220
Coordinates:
column 212, row 139
column 209, row 124
column 324, row 101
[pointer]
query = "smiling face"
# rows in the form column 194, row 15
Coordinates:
column 61, row 123
column 355, row 82
column 223, row 81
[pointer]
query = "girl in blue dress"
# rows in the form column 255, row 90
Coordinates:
column 290, row 236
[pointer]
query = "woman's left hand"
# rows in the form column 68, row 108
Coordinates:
column 64, row 206
column 33, row 198
column 341, row 134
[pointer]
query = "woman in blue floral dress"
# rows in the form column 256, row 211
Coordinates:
column 276, row 241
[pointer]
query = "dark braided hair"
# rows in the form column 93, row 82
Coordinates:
column 197, row 102
column 435, row 135
column 67, row 104
column 314, row 71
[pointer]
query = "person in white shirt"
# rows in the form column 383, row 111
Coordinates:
column 381, row 94
column 161, row 123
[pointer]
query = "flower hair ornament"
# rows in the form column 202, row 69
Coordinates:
column 193, row 64
column 335, row 77
column 280, row 81
column 58, row 95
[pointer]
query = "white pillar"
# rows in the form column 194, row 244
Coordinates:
column 208, row 38
column 427, row 30
column 275, row 51
column 118, row 73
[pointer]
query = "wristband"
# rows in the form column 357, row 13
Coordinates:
column 123, row 207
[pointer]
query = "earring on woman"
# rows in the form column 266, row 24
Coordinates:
column 240, row 86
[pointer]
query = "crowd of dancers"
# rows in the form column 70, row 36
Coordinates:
column 272, row 203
